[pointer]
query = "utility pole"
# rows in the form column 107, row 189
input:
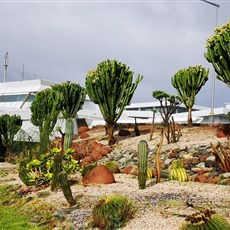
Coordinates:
column 213, row 76
column 6, row 63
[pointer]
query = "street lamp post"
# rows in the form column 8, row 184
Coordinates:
column 213, row 76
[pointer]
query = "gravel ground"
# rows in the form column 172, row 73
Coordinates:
column 160, row 206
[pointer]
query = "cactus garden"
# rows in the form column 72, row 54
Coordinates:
column 118, row 176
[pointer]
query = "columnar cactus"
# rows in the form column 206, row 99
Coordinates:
column 57, row 168
column 142, row 163
column 45, row 109
column 64, row 183
column 110, row 86
column 188, row 83
column 72, row 101
column 218, row 52
column 205, row 220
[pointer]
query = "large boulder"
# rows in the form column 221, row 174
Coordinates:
column 99, row 175
column 123, row 132
column 83, row 129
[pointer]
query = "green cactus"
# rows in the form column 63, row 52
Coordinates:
column 9, row 127
column 57, row 168
column 188, row 82
column 178, row 172
column 111, row 212
column 110, row 86
column 142, row 163
column 72, row 101
column 62, row 179
column 45, row 109
column 205, row 220
column 218, row 52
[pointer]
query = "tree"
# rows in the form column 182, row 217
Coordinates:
column 9, row 126
column 73, row 99
column 168, row 105
column 218, row 52
column 45, row 109
column 110, row 86
column 188, row 83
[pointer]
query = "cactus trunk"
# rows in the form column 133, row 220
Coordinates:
column 142, row 163
column 57, row 168
column 62, row 178
column 68, row 140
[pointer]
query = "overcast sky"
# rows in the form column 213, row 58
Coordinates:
column 63, row 40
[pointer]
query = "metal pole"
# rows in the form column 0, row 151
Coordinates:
column 6, row 62
column 213, row 76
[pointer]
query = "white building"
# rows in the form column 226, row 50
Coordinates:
column 16, row 98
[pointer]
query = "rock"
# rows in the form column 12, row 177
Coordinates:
column 203, row 158
column 134, row 171
column 168, row 161
column 226, row 175
column 99, row 175
column 210, row 161
column 75, row 146
column 84, row 135
column 127, row 169
column 201, row 178
column 112, row 166
column 195, row 160
column 123, row 132
column 96, row 155
column 83, row 129
column 213, row 180
column 105, row 151
column 223, row 130
column 87, row 160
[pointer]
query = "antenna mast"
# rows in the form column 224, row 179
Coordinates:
column 6, row 63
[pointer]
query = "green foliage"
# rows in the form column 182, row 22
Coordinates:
column 112, row 166
column 9, row 127
column 62, row 179
column 178, row 172
column 110, row 86
column 111, row 212
column 72, row 101
column 45, row 109
column 142, row 163
column 41, row 171
column 88, row 168
column 205, row 220
column 188, row 82
column 218, row 52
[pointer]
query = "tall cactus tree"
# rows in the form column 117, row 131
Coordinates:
column 45, row 109
column 218, row 52
column 188, row 83
column 111, row 87
column 9, row 126
column 73, row 99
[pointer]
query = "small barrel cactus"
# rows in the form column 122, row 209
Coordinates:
column 64, row 183
column 112, row 211
column 142, row 163
column 205, row 220
column 178, row 172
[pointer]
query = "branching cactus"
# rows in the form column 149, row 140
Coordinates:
column 57, row 168
column 62, row 179
column 205, row 220
column 72, row 101
column 142, row 163
column 111, row 86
